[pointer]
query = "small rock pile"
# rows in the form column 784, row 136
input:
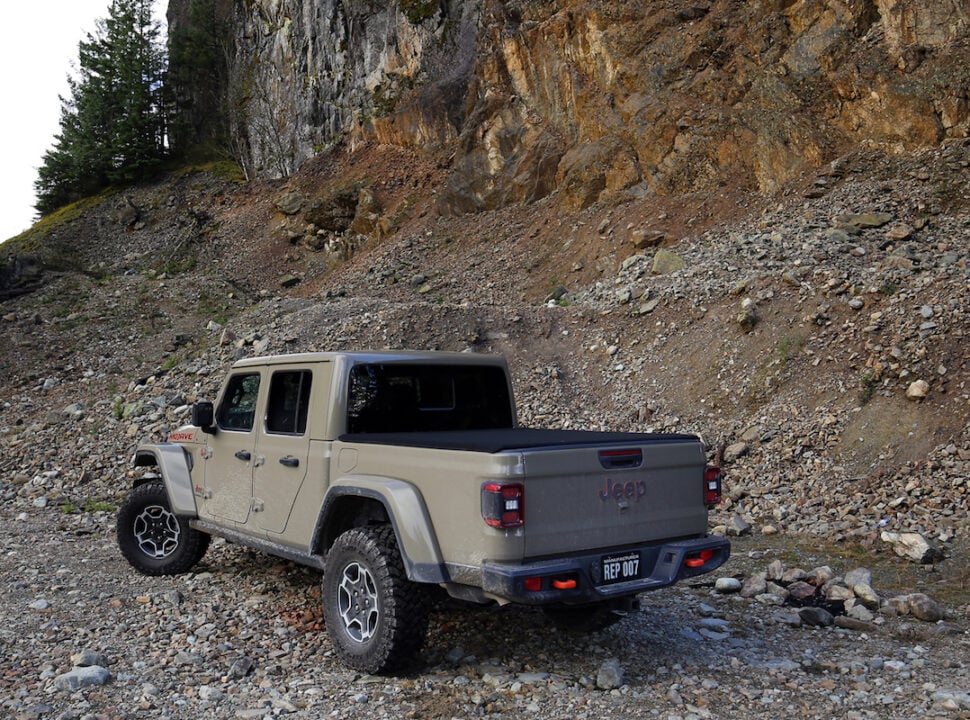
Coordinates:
column 822, row 598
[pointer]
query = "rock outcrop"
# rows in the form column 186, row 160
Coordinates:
column 595, row 100
column 19, row 274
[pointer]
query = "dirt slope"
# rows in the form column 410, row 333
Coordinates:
column 791, row 328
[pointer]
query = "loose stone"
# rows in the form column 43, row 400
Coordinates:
column 815, row 616
column 610, row 675
column 727, row 585
column 81, row 677
column 922, row 607
column 86, row 658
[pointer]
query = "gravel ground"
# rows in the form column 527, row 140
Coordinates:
column 242, row 637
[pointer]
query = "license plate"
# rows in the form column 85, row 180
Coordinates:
column 620, row 568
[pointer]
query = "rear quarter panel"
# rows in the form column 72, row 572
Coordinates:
column 450, row 483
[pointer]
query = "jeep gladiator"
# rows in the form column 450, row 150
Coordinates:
column 395, row 472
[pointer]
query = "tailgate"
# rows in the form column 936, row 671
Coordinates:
column 584, row 498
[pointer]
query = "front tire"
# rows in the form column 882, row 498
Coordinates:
column 152, row 538
column 376, row 617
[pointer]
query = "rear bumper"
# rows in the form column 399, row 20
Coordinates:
column 579, row 579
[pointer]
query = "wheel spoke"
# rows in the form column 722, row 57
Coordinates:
column 357, row 602
column 156, row 531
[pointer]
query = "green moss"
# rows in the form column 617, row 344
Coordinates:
column 213, row 308
column 417, row 11
column 869, row 384
column 384, row 104
column 176, row 266
column 69, row 507
column 99, row 506
column 32, row 240
column 890, row 287
column 788, row 347
column 221, row 168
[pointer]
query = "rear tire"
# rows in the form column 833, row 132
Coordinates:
column 152, row 538
column 376, row 617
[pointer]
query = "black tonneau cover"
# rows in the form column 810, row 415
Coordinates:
column 493, row 441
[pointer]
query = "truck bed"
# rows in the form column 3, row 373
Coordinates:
column 494, row 441
column 606, row 493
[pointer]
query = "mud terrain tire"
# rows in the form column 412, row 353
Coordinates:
column 152, row 538
column 376, row 617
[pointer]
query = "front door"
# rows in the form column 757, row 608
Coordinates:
column 230, row 452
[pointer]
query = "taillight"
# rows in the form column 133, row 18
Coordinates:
column 503, row 504
column 712, row 486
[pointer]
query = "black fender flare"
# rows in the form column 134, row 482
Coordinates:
column 407, row 513
column 175, row 466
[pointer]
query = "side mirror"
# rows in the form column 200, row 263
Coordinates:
column 203, row 416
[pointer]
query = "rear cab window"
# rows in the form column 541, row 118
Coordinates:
column 402, row 397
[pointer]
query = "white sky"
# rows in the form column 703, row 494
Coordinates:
column 38, row 48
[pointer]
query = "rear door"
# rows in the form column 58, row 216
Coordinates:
column 282, row 448
column 585, row 498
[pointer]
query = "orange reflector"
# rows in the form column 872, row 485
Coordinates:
column 702, row 557
column 564, row 584
column 533, row 584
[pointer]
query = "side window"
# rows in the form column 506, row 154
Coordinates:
column 238, row 408
column 289, row 402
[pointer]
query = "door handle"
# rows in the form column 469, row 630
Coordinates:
column 243, row 455
column 290, row 461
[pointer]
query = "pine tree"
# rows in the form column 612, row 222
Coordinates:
column 112, row 127
column 200, row 50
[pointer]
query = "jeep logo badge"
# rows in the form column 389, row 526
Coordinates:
column 622, row 491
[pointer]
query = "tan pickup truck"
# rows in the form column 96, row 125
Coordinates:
column 395, row 472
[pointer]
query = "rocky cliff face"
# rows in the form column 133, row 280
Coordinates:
column 593, row 100
column 307, row 74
